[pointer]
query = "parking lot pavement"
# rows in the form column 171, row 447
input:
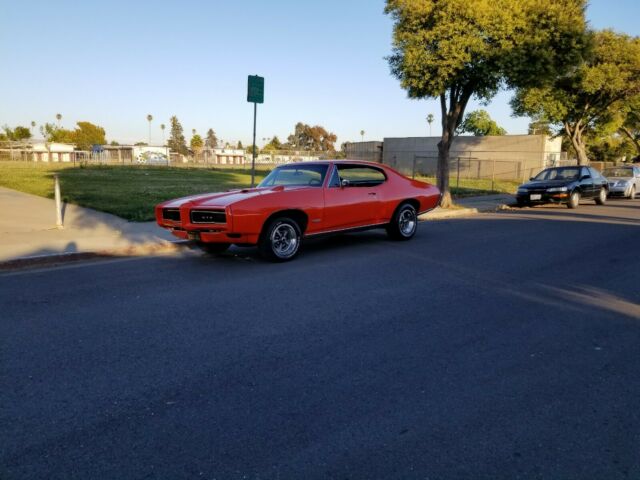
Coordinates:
column 499, row 346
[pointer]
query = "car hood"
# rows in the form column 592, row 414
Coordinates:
column 547, row 183
column 224, row 199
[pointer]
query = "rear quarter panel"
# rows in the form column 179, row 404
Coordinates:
column 399, row 188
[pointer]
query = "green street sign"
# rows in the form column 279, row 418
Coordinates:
column 255, row 92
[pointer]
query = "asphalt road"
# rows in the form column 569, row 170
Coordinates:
column 499, row 346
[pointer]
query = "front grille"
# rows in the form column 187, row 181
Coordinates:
column 172, row 214
column 208, row 216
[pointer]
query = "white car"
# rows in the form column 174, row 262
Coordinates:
column 623, row 181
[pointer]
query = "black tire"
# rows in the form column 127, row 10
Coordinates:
column 213, row 248
column 632, row 193
column 522, row 203
column 280, row 240
column 601, row 199
column 404, row 223
column 574, row 199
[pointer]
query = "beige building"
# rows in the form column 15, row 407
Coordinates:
column 514, row 157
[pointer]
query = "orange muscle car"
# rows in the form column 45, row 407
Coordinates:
column 301, row 200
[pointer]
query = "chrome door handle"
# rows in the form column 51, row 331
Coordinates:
column 372, row 193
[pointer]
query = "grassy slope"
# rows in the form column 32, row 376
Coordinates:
column 129, row 192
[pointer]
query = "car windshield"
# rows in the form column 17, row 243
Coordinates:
column 618, row 172
column 563, row 173
column 296, row 175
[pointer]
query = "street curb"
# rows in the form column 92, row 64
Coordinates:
column 69, row 257
column 442, row 213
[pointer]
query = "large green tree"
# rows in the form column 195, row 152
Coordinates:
column 479, row 123
column 177, row 142
column 317, row 138
column 453, row 50
column 592, row 97
column 197, row 144
column 16, row 134
column 87, row 134
column 211, row 140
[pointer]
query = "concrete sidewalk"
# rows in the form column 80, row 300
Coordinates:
column 28, row 229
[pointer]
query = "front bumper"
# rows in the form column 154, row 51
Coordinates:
column 533, row 198
column 622, row 191
column 182, row 227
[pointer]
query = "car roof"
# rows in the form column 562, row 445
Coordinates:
column 337, row 161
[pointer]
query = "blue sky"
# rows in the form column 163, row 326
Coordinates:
column 114, row 62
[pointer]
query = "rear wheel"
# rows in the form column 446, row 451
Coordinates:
column 214, row 248
column 574, row 199
column 404, row 223
column 280, row 240
column 601, row 199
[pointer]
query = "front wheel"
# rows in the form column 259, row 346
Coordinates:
column 404, row 223
column 574, row 199
column 632, row 193
column 601, row 199
column 280, row 240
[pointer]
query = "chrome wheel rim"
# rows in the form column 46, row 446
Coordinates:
column 407, row 222
column 603, row 195
column 284, row 240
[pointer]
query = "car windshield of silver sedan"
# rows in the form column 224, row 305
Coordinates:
column 296, row 175
column 618, row 172
column 563, row 173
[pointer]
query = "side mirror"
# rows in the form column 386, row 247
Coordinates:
column 532, row 178
column 585, row 177
column 344, row 183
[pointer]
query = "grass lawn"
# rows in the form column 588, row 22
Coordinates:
column 129, row 192
column 470, row 187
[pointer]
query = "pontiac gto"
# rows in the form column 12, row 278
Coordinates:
column 301, row 200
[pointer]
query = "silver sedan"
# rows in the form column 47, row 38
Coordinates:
column 623, row 181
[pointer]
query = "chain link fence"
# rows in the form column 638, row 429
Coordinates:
column 489, row 169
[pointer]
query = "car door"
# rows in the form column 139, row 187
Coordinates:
column 586, row 183
column 598, row 181
column 352, row 196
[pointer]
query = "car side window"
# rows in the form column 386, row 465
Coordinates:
column 361, row 175
column 335, row 178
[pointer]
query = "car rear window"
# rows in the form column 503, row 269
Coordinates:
column 361, row 176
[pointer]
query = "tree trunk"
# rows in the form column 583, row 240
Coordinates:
column 443, row 169
column 575, row 135
column 451, row 117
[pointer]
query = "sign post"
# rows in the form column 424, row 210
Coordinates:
column 255, row 95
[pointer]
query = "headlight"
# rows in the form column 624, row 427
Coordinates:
column 557, row 189
column 622, row 183
column 523, row 190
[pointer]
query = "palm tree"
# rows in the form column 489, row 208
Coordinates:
column 362, row 132
column 430, row 121
column 33, row 125
column 193, row 131
column 58, row 118
column 162, row 127
column 149, row 119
